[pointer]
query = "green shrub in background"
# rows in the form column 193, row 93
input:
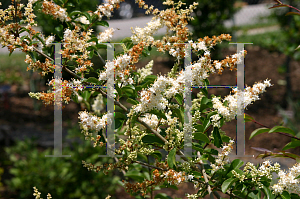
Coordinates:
column 62, row 177
column 210, row 16
column 290, row 26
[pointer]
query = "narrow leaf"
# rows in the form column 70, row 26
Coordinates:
column 258, row 131
column 291, row 145
column 292, row 13
column 282, row 129
column 217, row 138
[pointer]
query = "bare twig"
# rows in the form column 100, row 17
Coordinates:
column 204, row 174
column 101, row 59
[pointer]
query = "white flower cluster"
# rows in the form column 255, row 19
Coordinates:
column 106, row 35
column 106, row 8
column 55, row 10
column 199, row 46
column 92, row 122
column 239, row 99
column 98, row 104
column 118, row 68
column 37, row 194
column 265, row 170
column 83, row 20
column 215, row 119
column 78, row 42
column 29, row 13
column 287, row 181
column 192, row 196
column 153, row 98
column 146, row 34
column 222, row 157
column 151, row 120
column 49, row 40
column 144, row 72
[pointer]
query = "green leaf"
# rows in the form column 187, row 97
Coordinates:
column 171, row 158
column 282, row 129
column 217, row 138
column 119, row 115
column 150, row 78
column 32, row 56
column 157, row 155
column 179, row 98
column 92, row 80
column 202, row 137
column 151, row 139
column 132, row 101
column 267, row 192
column 258, row 131
column 126, row 40
column 236, row 164
column 227, row 183
column 291, row 145
column 134, row 174
column 86, row 95
column 76, row 12
column 102, row 23
column 248, row 118
column 162, row 196
column 295, row 196
column 197, row 147
column 211, row 114
column 199, row 128
column 206, row 124
column 158, row 113
column 285, row 195
column 179, row 113
column 128, row 90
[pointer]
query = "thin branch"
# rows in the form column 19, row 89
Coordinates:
column 204, row 174
column 149, row 166
column 286, row 134
column 64, row 68
column 101, row 59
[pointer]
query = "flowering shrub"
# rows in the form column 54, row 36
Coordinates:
column 155, row 124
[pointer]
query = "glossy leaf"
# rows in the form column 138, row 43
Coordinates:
column 227, row 184
column 285, row 195
column 291, row 145
column 201, row 137
column 248, row 118
column 103, row 23
column 92, row 80
column 258, row 131
column 217, row 138
column 132, row 101
column 158, row 113
column 282, row 129
column 171, row 158
column 236, row 164
column 151, row 139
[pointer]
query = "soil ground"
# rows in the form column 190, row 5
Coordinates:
column 18, row 118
